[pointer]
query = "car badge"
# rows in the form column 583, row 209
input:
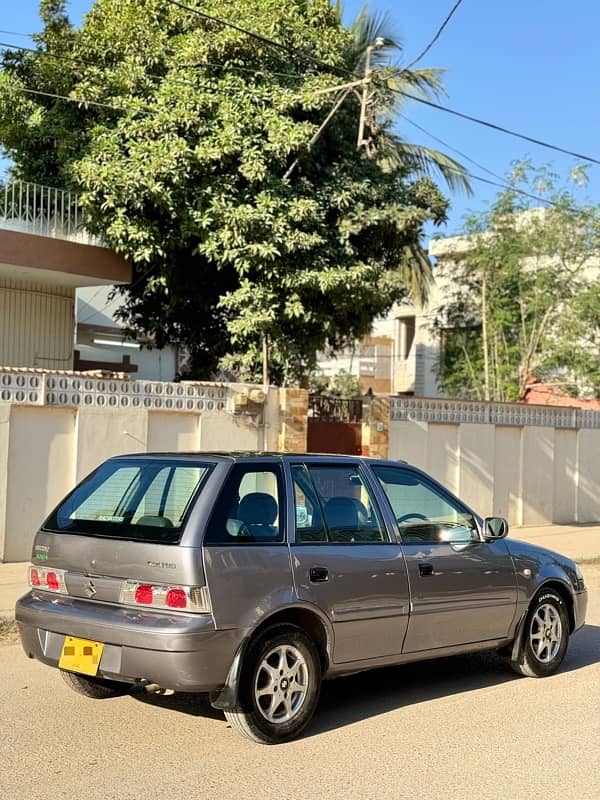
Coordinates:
column 90, row 589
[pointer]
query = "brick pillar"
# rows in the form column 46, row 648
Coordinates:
column 376, row 427
column 293, row 420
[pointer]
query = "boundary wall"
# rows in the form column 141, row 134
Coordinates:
column 534, row 465
column 55, row 428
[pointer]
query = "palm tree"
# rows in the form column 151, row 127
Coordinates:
column 387, row 100
column 386, row 103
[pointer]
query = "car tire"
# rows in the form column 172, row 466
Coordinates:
column 95, row 688
column 279, row 688
column 545, row 636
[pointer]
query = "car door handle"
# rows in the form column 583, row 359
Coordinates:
column 318, row 574
column 425, row 569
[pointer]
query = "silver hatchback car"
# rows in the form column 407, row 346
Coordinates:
column 254, row 577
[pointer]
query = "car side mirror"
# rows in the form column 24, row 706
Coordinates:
column 495, row 528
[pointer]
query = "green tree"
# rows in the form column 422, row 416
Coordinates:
column 202, row 156
column 522, row 301
column 343, row 384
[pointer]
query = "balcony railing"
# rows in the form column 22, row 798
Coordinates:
column 44, row 211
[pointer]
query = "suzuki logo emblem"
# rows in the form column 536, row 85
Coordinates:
column 90, row 589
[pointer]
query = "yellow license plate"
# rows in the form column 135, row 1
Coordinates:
column 81, row 655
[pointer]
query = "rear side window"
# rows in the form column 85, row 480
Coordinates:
column 249, row 509
column 140, row 499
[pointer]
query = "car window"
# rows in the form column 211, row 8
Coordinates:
column 422, row 512
column 141, row 499
column 248, row 510
column 334, row 504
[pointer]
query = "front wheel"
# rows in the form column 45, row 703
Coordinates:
column 545, row 636
column 280, row 686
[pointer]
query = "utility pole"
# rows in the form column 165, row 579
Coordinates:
column 364, row 100
column 265, row 361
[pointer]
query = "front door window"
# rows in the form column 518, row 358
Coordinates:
column 424, row 514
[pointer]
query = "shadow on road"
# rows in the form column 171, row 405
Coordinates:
column 368, row 694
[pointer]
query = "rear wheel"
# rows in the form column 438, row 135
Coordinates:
column 280, row 686
column 96, row 688
column 545, row 636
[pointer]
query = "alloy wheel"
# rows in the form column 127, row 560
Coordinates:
column 281, row 683
column 545, row 633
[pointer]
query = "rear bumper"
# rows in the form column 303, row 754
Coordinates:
column 183, row 652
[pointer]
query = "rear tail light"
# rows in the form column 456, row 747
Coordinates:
column 176, row 598
column 51, row 580
column 144, row 595
column 179, row 598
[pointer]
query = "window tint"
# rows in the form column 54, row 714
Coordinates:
column 333, row 504
column 249, row 507
column 422, row 512
column 142, row 499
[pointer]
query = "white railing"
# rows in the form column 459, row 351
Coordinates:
column 422, row 409
column 44, row 211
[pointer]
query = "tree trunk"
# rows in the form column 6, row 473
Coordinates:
column 484, row 338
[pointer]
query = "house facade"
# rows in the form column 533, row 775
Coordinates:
column 45, row 256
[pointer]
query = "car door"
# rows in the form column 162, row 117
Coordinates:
column 246, row 558
column 345, row 561
column 463, row 589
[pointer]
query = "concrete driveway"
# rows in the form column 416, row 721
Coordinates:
column 463, row 727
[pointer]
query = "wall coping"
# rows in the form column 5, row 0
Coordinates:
column 425, row 409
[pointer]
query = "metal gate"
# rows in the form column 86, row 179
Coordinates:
column 334, row 425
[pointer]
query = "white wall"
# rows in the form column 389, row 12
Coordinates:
column 45, row 451
column 532, row 475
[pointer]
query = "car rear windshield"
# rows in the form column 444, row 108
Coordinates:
column 139, row 499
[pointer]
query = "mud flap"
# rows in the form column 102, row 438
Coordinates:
column 228, row 697
column 516, row 647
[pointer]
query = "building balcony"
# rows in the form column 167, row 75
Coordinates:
column 43, row 238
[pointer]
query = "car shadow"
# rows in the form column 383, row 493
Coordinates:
column 367, row 694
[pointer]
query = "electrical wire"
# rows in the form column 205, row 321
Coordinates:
column 293, row 51
column 136, row 282
column 435, row 38
column 450, row 147
column 83, row 62
column 496, row 127
column 17, row 33
column 78, row 100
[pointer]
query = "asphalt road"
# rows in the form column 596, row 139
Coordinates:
column 455, row 728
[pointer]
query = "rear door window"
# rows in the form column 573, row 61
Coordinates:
column 148, row 500
column 334, row 504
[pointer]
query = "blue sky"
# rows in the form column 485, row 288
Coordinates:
column 529, row 65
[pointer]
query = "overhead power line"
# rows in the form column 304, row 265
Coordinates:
column 435, row 38
column 18, row 33
column 180, row 81
column 293, row 51
column 213, row 64
column 450, row 147
column 79, row 100
column 496, row 127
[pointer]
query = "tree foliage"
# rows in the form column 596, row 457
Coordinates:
column 343, row 384
column 523, row 301
column 190, row 147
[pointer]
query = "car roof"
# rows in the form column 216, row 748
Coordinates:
column 248, row 455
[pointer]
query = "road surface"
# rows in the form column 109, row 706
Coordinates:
column 463, row 727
